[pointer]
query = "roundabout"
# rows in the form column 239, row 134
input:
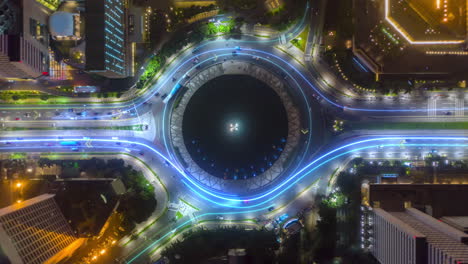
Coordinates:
column 235, row 126
column 229, row 139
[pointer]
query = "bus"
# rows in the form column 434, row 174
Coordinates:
column 69, row 143
column 172, row 93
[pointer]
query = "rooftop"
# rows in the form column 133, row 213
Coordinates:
column 441, row 237
column 428, row 22
column 61, row 24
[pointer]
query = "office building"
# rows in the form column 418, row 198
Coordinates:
column 24, row 39
column 458, row 222
column 413, row 237
column 433, row 199
column 107, row 49
column 35, row 231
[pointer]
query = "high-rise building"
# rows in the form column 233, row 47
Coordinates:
column 24, row 43
column 35, row 231
column 107, row 49
column 413, row 237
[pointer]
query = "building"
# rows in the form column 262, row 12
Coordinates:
column 431, row 36
column 35, row 231
column 434, row 199
column 87, row 203
column 24, row 39
column 108, row 52
column 413, row 237
column 458, row 222
column 64, row 26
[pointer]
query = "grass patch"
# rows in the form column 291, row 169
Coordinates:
column 301, row 40
column 18, row 155
column 132, row 127
column 332, row 176
column 179, row 215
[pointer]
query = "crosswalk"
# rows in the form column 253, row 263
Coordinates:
column 432, row 107
column 454, row 108
column 459, row 107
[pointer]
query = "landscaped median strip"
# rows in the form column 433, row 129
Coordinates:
column 189, row 204
column 132, row 127
column 332, row 176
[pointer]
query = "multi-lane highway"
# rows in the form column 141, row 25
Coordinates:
column 139, row 127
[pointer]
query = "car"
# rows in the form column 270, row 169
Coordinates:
column 238, row 48
column 17, row 118
column 219, row 217
column 271, row 208
column 156, row 94
column 164, row 96
column 141, row 153
column 74, row 149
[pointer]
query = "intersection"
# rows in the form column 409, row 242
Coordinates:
column 95, row 125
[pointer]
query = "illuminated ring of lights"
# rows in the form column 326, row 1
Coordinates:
column 266, row 59
column 279, row 166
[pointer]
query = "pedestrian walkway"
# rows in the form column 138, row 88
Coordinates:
column 459, row 107
column 432, row 107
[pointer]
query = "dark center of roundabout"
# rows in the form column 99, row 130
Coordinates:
column 235, row 127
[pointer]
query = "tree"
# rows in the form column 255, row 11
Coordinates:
column 15, row 97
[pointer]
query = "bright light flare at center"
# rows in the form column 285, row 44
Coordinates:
column 233, row 127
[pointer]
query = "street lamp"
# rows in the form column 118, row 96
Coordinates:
column 19, row 184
